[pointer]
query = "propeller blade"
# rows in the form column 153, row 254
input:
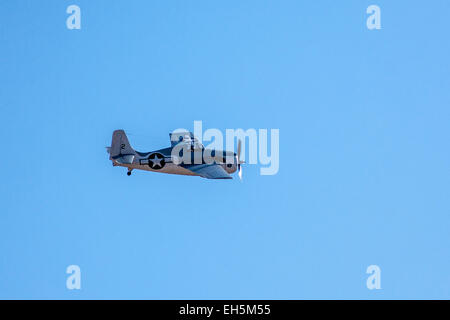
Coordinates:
column 238, row 160
column 239, row 151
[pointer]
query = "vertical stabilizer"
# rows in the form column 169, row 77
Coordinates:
column 121, row 150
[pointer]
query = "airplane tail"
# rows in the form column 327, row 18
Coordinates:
column 121, row 150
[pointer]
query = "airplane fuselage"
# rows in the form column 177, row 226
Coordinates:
column 142, row 161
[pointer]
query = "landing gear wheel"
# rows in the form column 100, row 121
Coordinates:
column 129, row 173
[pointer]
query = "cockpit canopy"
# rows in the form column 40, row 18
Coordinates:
column 185, row 137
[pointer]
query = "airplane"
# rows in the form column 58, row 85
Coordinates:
column 123, row 155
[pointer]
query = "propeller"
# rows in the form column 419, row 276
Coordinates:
column 238, row 160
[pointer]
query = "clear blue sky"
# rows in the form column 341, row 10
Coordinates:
column 364, row 158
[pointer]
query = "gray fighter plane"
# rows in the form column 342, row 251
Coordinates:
column 185, row 156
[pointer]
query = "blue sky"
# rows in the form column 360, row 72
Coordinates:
column 364, row 149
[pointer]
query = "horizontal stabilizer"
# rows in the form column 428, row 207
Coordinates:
column 125, row 159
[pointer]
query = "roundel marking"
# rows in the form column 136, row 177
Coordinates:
column 156, row 161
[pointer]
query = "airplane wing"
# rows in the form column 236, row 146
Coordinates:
column 210, row 171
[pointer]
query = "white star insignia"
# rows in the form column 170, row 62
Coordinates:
column 157, row 161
